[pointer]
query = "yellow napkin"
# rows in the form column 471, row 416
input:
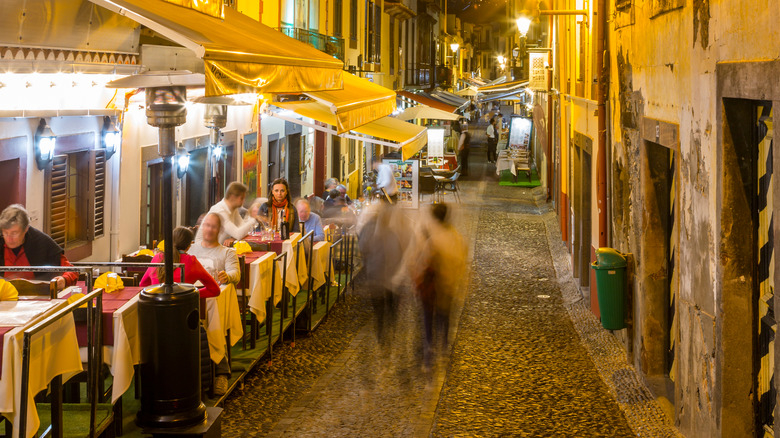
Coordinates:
column 8, row 291
column 110, row 282
column 146, row 252
column 161, row 246
column 75, row 297
column 241, row 247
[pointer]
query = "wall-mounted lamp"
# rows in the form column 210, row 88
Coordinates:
column 111, row 136
column 454, row 47
column 45, row 140
column 515, row 52
column 183, row 162
column 523, row 24
column 501, row 59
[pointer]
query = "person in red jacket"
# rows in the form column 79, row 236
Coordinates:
column 24, row 245
column 193, row 270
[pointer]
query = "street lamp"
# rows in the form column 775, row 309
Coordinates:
column 454, row 47
column 523, row 24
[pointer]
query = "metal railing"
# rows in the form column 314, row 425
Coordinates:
column 333, row 46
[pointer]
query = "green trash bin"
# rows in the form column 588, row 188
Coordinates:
column 610, row 267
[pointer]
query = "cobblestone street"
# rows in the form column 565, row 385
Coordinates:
column 527, row 358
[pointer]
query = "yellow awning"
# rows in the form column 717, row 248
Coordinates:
column 359, row 102
column 409, row 137
column 240, row 54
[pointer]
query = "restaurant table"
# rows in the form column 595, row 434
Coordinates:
column 121, row 341
column 513, row 161
column 319, row 264
column 297, row 274
column 261, row 274
column 53, row 351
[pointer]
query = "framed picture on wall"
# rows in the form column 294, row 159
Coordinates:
column 250, row 161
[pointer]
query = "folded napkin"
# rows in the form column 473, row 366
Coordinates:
column 8, row 291
column 110, row 282
column 241, row 247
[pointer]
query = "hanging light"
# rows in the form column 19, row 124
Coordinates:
column 45, row 141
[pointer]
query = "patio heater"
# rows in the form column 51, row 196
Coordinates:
column 168, row 314
column 215, row 119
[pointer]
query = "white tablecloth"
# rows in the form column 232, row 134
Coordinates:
column 513, row 164
column 53, row 351
column 223, row 315
column 297, row 273
column 319, row 264
column 261, row 274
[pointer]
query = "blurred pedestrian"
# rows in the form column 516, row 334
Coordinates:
column 438, row 273
column 385, row 180
column 382, row 249
column 464, row 143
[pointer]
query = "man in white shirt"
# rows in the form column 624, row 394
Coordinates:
column 385, row 180
column 234, row 227
column 222, row 263
column 492, row 140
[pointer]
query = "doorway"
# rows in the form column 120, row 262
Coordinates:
column 10, row 182
column 749, row 317
column 274, row 160
column 294, row 164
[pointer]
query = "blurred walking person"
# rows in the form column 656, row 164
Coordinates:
column 438, row 273
column 381, row 247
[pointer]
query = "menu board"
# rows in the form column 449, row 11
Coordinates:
column 519, row 133
column 406, row 173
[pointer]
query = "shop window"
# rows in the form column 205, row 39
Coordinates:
column 76, row 209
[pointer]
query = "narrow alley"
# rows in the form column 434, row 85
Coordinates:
column 521, row 363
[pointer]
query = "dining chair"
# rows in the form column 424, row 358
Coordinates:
column 35, row 288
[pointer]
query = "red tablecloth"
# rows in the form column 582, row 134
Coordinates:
column 273, row 245
column 111, row 303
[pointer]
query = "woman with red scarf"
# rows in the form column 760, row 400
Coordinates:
column 280, row 201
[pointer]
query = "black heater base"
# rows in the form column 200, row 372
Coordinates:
column 211, row 427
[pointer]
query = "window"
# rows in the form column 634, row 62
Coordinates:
column 392, row 45
column 374, row 29
column 76, row 210
column 337, row 17
column 353, row 23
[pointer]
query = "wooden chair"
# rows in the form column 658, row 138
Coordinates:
column 35, row 288
column 129, row 272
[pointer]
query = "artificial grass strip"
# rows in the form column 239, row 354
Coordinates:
column 507, row 179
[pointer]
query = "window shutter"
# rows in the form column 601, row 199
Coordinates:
column 59, row 199
column 100, row 193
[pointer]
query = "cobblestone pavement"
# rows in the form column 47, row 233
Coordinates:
column 522, row 361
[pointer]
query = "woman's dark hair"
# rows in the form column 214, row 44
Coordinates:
column 182, row 239
column 286, row 187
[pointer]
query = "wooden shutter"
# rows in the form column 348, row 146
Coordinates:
column 58, row 207
column 100, row 193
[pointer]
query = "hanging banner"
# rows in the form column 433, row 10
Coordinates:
column 250, row 165
column 435, row 146
column 537, row 77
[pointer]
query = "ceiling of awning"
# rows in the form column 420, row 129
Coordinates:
column 427, row 101
column 426, row 112
column 409, row 137
column 506, row 86
column 359, row 102
column 240, row 54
